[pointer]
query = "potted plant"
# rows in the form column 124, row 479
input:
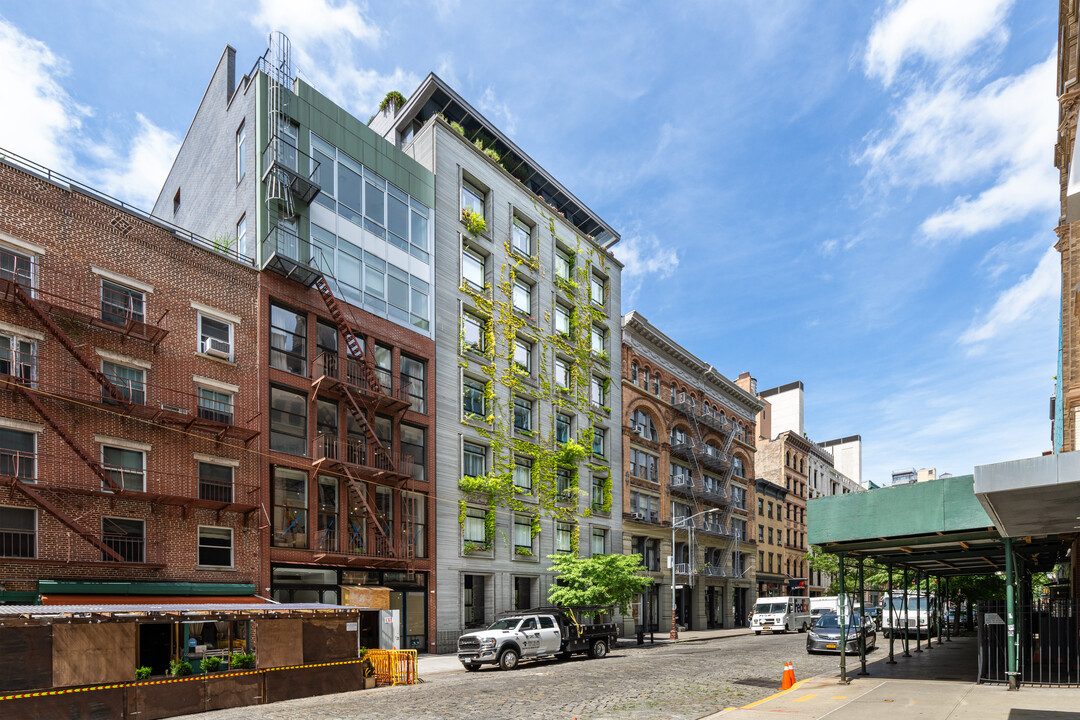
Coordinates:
column 179, row 668
column 210, row 664
column 241, row 660
column 143, row 673
column 475, row 547
column 523, row 551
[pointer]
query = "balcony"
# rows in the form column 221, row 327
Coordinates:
column 715, row 571
column 60, row 376
column 719, row 423
column 289, row 255
column 297, row 170
column 332, row 374
column 694, row 451
column 355, row 454
column 55, row 472
column 716, row 529
column 78, row 298
column 688, row 487
column 646, row 518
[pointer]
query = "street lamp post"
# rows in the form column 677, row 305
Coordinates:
column 674, row 634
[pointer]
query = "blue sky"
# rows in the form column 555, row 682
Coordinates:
column 858, row 196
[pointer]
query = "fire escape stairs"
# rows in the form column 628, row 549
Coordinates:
column 725, row 482
column 88, row 535
column 396, row 550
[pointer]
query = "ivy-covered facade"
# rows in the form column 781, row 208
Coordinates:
column 528, row 401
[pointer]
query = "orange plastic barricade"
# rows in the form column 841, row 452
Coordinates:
column 393, row 667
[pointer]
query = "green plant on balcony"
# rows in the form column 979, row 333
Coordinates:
column 523, row 551
column 241, row 660
column 392, row 97
column 179, row 668
column 210, row 664
column 457, row 126
column 471, row 547
column 474, row 221
column 224, row 243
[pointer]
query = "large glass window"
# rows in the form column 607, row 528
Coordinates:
column 472, row 268
column 476, row 529
column 130, row 381
column 565, row 482
column 523, row 473
column 17, row 267
column 121, row 304
column 523, row 540
column 215, row 405
column 523, row 415
column 562, row 264
column 416, row 507
column 473, row 332
column 641, row 424
column 18, row 358
column 599, row 340
column 126, row 537
column 562, row 373
column 288, row 421
column 523, row 355
column 522, row 235
column 474, row 461
column 127, row 468
column 18, row 454
column 597, row 290
column 290, row 507
column 241, row 159
column 215, row 482
column 597, row 392
column 18, row 532
column 563, row 427
column 474, row 401
column 472, row 198
column 326, row 537
column 522, row 297
column 562, row 319
column 643, row 465
column 288, row 340
column 563, row 534
column 413, row 445
column 599, row 442
column 216, row 546
column 599, row 541
column 598, row 482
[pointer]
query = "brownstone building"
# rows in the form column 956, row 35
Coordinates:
column 128, row 405
column 689, row 464
column 782, row 463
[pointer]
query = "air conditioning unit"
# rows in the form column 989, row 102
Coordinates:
column 174, row 408
column 637, row 516
column 639, row 429
column 216, row 348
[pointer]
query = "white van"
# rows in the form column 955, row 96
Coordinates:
column 781, row 614
column 921, row 613
column 829, row 604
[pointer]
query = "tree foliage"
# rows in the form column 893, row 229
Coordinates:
column 600, row 580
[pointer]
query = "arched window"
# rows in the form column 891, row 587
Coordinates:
column 656, row 385
column 679, row 436
column 787, row 459
column 642, row 425
column 633, row 372
column 801, row 465
column 645, row 378
column 673, row 391
column 738, row 467
column 705, row 408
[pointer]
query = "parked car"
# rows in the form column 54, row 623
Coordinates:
column 873, row 614
column 824, row 636
column 534, row 634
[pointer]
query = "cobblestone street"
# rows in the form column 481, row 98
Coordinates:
column 680, row 682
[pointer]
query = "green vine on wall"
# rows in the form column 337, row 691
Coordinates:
column 502, row 326
column 474, row 221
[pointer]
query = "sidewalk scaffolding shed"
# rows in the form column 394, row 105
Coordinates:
column 940, row 530
column 79, row 660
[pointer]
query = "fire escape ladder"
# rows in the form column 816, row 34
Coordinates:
column 359, row 489
column 351, row 342
column 361, row 417
column 63, row 517
column 32, row 304
column 94, row 465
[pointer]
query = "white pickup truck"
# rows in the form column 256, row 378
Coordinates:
column 534, row 634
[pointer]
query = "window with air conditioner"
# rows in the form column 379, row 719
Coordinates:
column 215, row 337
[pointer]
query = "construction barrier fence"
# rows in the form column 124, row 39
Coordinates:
column 393, row 667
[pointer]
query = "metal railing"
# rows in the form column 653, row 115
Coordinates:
column 17, row 543
column 351, row 372
column 18, row 463
column 299, row 170
column 360, row 453
column 40, row 171
column 216, row 490
column 720, row 423
column 130, row 548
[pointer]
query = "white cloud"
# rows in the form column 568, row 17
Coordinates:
column 643, row 256
column 48, row 120
column 497, row 110
column 138, row 174
column 324, row 38
column 939, row 32
column 1034, row 293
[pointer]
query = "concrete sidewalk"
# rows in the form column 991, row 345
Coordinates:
column 935, row 684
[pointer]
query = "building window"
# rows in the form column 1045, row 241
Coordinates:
column 563, row 541
column 523, row 474
column 522, row 237
column 770, row 510
column 770, row 536
column 598, row 482
column 738, row 497
column 562, row 374
column 523, row 540
column 126, row 537
column 473, row 329
column 382, row 358
column 414, row 445
column 215, row 337
column 413, row 379
column 18, row 454
column 645, row 505
column 288, row 340
column 290, row 507
column 599, row 442
column 523, row 355
column 475, row 530
column 597, row 392
column 416, row 508
column 642, row 425
column 474, row 402
column 523, row 415
column 738, row 467
column 288, row 421
column 633, row 372
column 644, row 465
column 474, row 461
column 120, row 304
column 215, row 546
column 761, row 533
column 565, row 483
column 18, row 532
column 563, row 427
column 522, row 297
column 563, row 264
column 562, row 319
column 215, row 405
column 760, row 506
column 126, row 468
column 599, row 340
column 17, row 267
column 472, row 269
column 599, row 541
column 129, row 381
column 241, row 238
column 241, row 155
column 18, row 358
column 215, row 482
column 326, row 529
column 597, row 290
column 472, row 198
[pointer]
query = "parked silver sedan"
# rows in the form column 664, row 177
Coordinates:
column 824, row 636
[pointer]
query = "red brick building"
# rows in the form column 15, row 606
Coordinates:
column 128, row 402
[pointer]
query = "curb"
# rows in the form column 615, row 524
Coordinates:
column 762, row 701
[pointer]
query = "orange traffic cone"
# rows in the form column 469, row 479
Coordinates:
column 789, row 675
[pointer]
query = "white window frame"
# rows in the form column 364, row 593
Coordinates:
column 232, row 546
column 26, row 251
column 241, row 235
column 599, row 340
column 562, row 261
column 141, row 367
column 467, row 186
column 592, row 541
column 522, row 288
column 203, row 346
column 563, row 311
column 468, row 252
column 528, row 350
column 31, row 429
column 130, row 447
column 519, row 224
column 594, row 282
column 241, row 159
column 566, row 380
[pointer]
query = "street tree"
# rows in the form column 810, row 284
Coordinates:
column 599, row 580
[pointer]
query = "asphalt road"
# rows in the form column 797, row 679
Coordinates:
column 681, row 681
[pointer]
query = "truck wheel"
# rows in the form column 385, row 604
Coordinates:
column 472, row 667
column 509, row 659
column 757, row 632
column 786, row 628
column 803, row 628
column 598, row 649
